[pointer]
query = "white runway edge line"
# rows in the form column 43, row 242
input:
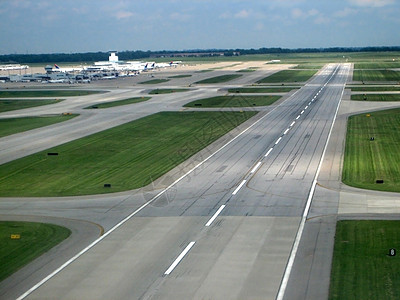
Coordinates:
column 295, row 247
column 215, row 215
column 239, row 187
column 94, row 243
column 179, row 258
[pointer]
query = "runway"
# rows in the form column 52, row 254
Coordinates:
column 231, row 215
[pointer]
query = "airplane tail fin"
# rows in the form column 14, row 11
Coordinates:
column 57, row 67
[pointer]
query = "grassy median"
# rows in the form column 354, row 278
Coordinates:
column 22, row 242
column 289, row 76
column 369, row 160
column 47, row 93
column 234, row 101
column 219, row 79
column 127, row 157
column 8, row 105
column 15, row 125
column 362, row 268
column 119, row 102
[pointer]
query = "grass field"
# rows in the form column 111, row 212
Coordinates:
column 289, row 76
column 377, row 65
column 234, row 101
column 8, row 105
column 167, row 91
column 374, row 88
column 127, row 157
column 154, row 81
column 376, row 97
column 361, row 267
column 366, row 161
column 246, row 70
column 376, row 75
column 47, row 93
column 309, row 66
column 15, row 125
column 181, row 76
column 35, row 239
column 262, row 89
column 219, row 79
column 119, row 102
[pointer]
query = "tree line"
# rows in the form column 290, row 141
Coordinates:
column 139, row 54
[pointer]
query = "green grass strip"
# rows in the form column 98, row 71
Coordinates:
column 234, row 101
column 127, row 157
column 180, row 76
column 15, row 125
column 362, row 268
column 376, row 75
column 35, row 239
column 119, row 102
column 167, row 91
column 289, row 76
column 219, row 79
column 262, row 90
column 376, row 97
column 366, row 161
column 377, row 65
column 8, row 105
column 49, row 93
column 154, row 81
column 246, row 70
column 374, row 88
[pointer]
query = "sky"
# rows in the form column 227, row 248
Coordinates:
column 72, row 26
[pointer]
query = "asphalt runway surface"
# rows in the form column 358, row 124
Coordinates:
column 220, row 226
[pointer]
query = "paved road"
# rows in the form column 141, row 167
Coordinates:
column 244, row 252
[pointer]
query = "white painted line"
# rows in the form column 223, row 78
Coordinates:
column 295, row 247
column 294, row 122
column 278, row 140
column 298, row 117
column 309, row 103
column 302, row 112
column 306, row 107
column 256, row 167
column 239, row 187
column 179, row 258
column 269, row 151
column 215, row 216
column 286, row 131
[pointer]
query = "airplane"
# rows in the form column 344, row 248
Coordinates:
column 66, row 70
column 13, row 67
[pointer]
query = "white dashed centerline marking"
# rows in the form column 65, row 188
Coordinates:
column 286, row 131
column 179, row 258
column 215, row 216
column 302, row 112
column 269, row 151
column 256, row 167
column 277, row 142
column 239, row 187
column 298, row 117
column 291, row 125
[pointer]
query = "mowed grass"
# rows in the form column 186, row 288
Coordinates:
column 15, row 125
column 219, row 79
column 261, row 90
column 119, row 102
column 289, row 76
column 373, row 88
column 377, row 65
column 154, row 81
column 376, row 75
column 362, row 268
column 376, row 97
column 8, row 105
column 35, row 239
column 127, row 157
column 47, row 93
column 167, row 91
column 366, row 161
column 180, row 76
column 234, row 101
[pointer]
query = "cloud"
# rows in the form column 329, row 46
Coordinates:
column 345, row 12
column 243, row 14
column 371, row 3
column 123, row 15
column 180, row 17
column 297, row 13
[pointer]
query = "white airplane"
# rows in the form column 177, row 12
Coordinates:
column 66, row 70
column 13, row 67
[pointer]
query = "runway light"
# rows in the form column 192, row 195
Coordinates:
column 15, row 236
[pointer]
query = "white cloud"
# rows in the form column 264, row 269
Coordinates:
column 345, row 12
column 371, row 3
column 298, row 13
column 180, row 17
column 242, row 14
column 123, row 14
